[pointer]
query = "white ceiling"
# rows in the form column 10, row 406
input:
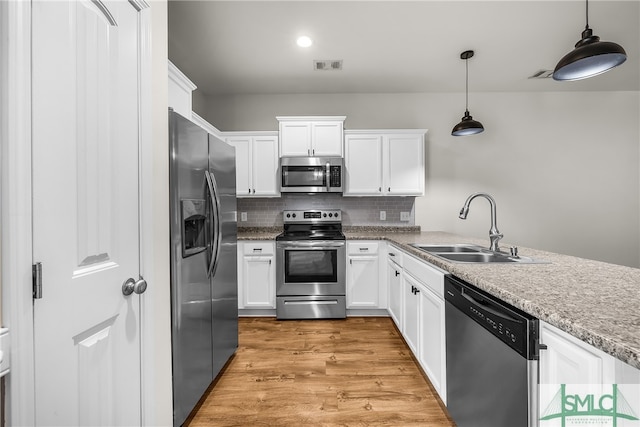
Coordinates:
column 248, row 47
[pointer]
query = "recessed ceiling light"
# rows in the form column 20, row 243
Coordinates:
column 304, row 41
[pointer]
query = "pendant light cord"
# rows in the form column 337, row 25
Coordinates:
column 587, row 13
column 466, row 102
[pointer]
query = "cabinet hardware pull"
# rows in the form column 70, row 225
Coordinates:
column 254, row 191
column 397, row 273
column 257, row 249
column 389, row 189
column 249, row 191
column 379, row 189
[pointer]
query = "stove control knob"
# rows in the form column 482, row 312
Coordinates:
column 288, row 215
column 324, row 215
column 336, row 214
column 330, row 215
column 293, row 215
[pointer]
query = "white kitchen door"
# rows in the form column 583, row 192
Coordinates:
column 85, row 99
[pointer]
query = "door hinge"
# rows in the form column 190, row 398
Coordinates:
column 36, row 270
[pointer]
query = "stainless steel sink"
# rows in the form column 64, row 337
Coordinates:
column 476, row 257
column 466, row 253
column 447, row 248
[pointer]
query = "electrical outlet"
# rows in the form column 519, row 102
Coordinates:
column 243, row 216
column 383, row 215
column 405, row 216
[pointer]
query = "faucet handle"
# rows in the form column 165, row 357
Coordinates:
column 514, row 251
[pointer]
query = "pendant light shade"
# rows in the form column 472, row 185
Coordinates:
column 590, row 57
column 467, row 125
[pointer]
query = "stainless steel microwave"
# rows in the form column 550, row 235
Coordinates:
column 311, row 174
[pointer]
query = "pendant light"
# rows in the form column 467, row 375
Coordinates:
column 590, row 57
column 467, row 126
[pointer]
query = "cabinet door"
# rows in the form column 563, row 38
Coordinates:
column 410, row 321
column 295, row 139
column 567, row 360
column 326, row 138
column 394, row 280
column 363, row 282
column 363, row 161
column 404, row 165
column 243, row 164
column 432, row 339
column 265, row 166
column 258, row 274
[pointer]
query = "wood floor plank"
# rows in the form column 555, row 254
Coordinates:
column 351, row 372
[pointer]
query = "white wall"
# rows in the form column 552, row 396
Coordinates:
column 563, row 167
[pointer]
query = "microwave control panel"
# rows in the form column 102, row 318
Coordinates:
column 335, row 178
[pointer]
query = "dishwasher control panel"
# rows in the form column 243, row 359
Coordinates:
column 514, row 327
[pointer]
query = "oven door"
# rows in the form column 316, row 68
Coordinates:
column 309, row 267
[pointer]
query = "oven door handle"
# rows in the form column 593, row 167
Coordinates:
column 311, row 244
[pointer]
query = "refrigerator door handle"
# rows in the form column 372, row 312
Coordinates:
column 216, row 223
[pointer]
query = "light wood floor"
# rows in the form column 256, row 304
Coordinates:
column 353, row 372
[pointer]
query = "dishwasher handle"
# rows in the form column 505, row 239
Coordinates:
column 485, row 305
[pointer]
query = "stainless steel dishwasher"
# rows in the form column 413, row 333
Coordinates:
column 492, row 360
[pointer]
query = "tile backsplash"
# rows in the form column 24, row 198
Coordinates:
column 267, row 212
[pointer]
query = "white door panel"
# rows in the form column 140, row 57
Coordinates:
column 85, row 211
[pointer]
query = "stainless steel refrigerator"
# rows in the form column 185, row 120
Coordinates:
column 204, row 293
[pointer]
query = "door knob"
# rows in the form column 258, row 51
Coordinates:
column 130, row 286
column 140, row 286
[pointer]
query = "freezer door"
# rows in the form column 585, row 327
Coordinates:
column 224, row 281
column 190, row 286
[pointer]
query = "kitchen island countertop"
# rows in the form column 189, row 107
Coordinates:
column 594, row 301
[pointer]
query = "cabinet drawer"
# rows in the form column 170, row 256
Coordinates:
column 431, row 276
column 362, row 248
column 394, row 254
column 265, row 248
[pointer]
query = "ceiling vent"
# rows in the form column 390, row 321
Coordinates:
column 327, row 65
column 542, row 74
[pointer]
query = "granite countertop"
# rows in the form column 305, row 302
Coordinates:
column 258, row 233
column 594, row 301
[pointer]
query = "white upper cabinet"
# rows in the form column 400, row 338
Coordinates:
column 384, row 162
column 311, row 136
column 256, row 163
column 180, row 91
column 363, row 164
column 403, row 164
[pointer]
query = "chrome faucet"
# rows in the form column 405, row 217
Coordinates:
column 494, row 234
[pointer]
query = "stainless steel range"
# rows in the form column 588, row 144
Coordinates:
column 311, row 266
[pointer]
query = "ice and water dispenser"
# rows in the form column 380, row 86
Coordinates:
column 194, row 219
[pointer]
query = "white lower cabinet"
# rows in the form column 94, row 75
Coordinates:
column 431, row 353
column 568, row 360
column 364, row 287
column 411, row 315
column 256, row 275
column 394, row 283
column 423, row 319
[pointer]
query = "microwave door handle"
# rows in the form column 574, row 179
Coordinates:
column 216, row 223
column 328, row 176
